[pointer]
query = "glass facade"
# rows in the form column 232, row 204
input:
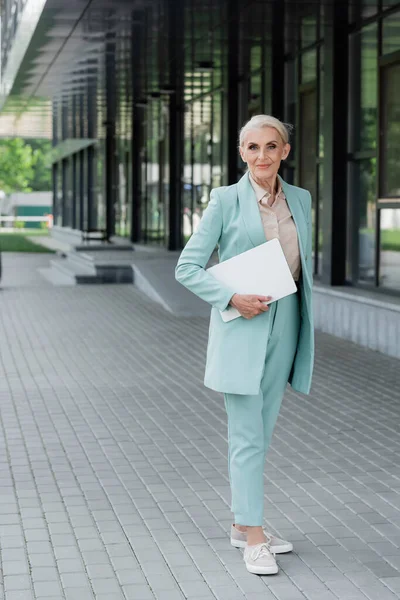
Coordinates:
column 374, row 147
column 155, row 125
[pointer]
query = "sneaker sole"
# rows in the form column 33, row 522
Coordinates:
column 262, row 570
column 274, row 549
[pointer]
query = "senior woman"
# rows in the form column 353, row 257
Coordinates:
column 252, row 358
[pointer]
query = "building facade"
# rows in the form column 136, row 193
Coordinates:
column 148, row 97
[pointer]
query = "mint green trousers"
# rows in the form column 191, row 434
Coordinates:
column 251, row 419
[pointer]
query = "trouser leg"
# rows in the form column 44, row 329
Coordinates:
column 252, row 418
column 281, row 350
column 246, row 457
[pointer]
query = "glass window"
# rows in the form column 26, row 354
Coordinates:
column 308, row 30
column 255, row 94
column 321, row 103
column 389, row 272
column 308, row 153
column 389, row 3
column 391, row 33
column 363, row 84
column 363, row 200
column 308, row 66
column 59, row 195
column 217, row 158
column 255, row 57
column 390, row 159
column 362, row 10
column 368, row 8
column 318, row 219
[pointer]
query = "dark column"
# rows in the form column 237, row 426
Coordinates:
column 137, row 112
column 74, row 190
column 335, row 134
column 276, row 72
column 232, row 94
column 64, row 166
column 91, row 207
column 110, row 166
column 54, row 168
column 81, row 163
column 176, row 120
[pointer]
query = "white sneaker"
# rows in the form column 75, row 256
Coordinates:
column 259, row 560
column 276, row 545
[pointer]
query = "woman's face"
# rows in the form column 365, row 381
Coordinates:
column 262, row 150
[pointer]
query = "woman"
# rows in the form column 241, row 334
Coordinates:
column 251, row 359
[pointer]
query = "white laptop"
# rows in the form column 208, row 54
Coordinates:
column 262, row 270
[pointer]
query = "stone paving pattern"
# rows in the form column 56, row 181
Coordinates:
column 113, row 464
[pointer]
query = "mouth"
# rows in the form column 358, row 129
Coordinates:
column 263, row 166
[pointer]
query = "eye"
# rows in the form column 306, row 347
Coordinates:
column 272, row 147
column 253, row 147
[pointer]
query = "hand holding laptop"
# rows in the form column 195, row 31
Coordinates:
column 250, row 305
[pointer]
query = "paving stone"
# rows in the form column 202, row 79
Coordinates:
column 118, row 461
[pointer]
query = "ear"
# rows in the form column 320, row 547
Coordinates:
column 242, row 153
column 286, row 151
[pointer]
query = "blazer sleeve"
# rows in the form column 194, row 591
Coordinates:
column 190, row 269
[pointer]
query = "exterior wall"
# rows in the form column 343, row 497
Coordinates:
column 162, row 112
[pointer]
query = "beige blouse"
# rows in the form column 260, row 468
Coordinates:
column 278, row 223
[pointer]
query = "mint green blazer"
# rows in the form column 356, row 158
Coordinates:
column 236, row 349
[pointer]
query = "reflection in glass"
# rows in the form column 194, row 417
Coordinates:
column 391, row 132
column 203, row 157
column 216, row 141
column 308, row 30
column 320, row 208
column 255, row 94
column 391, row 34
column 309, row 66
column 364, row 83
column 389, row 272
column 369, row 8
column 308, row 151
column 321, row 103
column 255, row 57
column 59, row 196
column 389, row 3
column 364, row 197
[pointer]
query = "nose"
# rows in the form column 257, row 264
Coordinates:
column 262, row 154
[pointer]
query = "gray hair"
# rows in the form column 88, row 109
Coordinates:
column 260, row 121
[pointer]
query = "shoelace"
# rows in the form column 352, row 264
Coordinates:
column 269, row 538
column 260, row 551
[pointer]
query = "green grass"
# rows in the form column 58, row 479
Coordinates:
column 16, row 242
column 390, row 239
column 33, row 232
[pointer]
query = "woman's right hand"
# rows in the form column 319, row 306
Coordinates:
column 250, row 305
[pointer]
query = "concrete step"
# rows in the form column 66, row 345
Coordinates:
column 56, row 277
column 79, row 259
column 77, row 273
column 86, row 268
column 156, row 279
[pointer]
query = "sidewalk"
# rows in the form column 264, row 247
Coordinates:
column 113, row 467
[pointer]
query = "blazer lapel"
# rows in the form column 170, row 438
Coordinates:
column 250, row 211
column 296, row 208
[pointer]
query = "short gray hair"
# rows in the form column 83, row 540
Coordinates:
column 260, row 121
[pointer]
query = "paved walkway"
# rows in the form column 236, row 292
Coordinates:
column 113, row 465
